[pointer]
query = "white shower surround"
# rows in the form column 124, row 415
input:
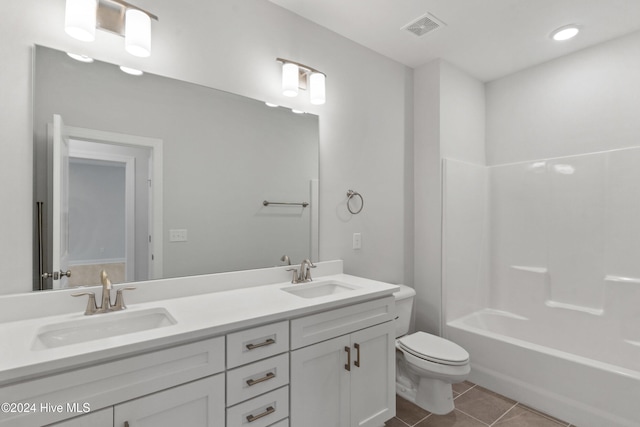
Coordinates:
column 542, row 284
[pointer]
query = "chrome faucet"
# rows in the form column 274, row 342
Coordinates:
column 304, row 274
column 105, row 305
column 106, row 293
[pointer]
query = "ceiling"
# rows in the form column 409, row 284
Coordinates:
column 486, row 38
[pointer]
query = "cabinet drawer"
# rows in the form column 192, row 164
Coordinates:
column 257, row 378
column 108, row 383
column 330, row 324
column 260, row 411
column 283, row 423
column 258, row 343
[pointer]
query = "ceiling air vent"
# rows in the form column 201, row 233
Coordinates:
column 423, row 25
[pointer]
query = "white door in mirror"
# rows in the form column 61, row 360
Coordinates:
column 60, row 203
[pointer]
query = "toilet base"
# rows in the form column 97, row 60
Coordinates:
column 431, row 395
column 435, row 396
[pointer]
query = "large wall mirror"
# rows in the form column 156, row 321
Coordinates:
column 149, row 177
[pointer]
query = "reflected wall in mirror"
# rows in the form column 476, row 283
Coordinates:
column 216, row 157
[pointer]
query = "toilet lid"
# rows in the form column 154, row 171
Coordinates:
column 434, row 349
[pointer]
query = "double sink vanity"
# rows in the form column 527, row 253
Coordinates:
column 246, row 348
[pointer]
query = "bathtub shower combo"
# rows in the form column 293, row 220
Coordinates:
column 541, row 281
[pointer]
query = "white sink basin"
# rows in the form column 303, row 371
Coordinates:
column 101, row 326
column 315, row 290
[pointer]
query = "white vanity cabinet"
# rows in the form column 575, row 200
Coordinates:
column 335, row 367
column 258, row 381
column 347, row 380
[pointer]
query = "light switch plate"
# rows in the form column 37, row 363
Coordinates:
column 357, row 241
column 178, row 235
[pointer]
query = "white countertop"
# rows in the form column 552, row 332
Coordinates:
column 197, row 317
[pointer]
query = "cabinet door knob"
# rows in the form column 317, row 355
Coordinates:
column 348, row 365
column 357, row 362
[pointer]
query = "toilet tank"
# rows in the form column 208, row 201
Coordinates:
column 404, row 306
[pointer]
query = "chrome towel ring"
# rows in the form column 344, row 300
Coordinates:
column 351, row 194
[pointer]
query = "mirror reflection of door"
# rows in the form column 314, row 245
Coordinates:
column 98, row 222
column 59, row 204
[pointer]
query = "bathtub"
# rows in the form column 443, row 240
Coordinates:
column 562, row 363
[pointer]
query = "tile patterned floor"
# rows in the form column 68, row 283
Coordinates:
column 475, row 407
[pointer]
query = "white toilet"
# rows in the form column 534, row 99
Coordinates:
column 426, row 365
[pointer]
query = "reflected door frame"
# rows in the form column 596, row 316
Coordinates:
column 130, row 222
column 155, row 146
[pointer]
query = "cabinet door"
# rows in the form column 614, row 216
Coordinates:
column 373, row 376
column 102, row 418
column 320, row 384
column 196, row 404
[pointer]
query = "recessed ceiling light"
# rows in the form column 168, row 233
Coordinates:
column 81, row 58
column 297, row 111
column 271, row 104
column 565, row 33
column 131, row 71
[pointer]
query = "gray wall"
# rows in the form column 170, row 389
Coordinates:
column 96, row 212
column 581, row 103
column 449, row 120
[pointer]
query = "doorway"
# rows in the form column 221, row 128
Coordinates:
column 112, row 207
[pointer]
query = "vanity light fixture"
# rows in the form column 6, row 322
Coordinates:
column 297, row 76
column 82, row 17
column 565, row 33
column 137, row 34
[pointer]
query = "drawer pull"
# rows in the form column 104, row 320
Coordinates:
column 357, row 362
column 262, row 344
column 267, row 377
column 270, row 410
column 348, row 365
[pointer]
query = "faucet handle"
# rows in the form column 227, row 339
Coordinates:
column 92, row 307
column 307, row 274
column 119, row 304
column 295, row 278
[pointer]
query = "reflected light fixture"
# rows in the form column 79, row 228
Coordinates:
column 82, row 17
column 565, row 33
column 297, row 76
column 81, row 58
column 131, row 71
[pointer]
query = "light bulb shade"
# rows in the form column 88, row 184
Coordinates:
column 290, row 78
column 137, row 33
column 80, row 19
column 317, row 89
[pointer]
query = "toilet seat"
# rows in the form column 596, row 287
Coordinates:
column 434, row 349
